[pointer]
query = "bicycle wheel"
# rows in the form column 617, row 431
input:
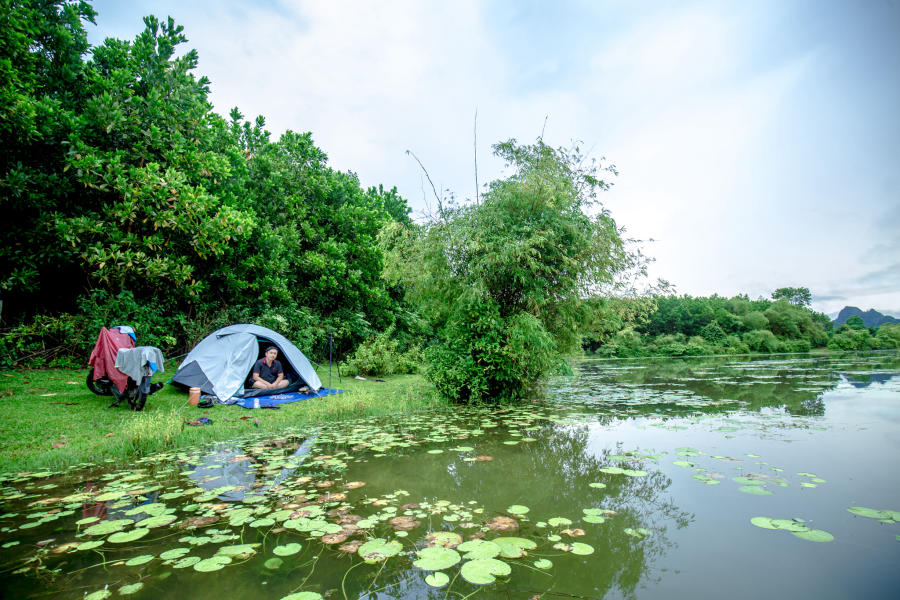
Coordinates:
column 101, row 387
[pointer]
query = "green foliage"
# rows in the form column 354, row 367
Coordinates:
column 855, row 322
column 687, row 326
column 384, row 354
column 128, row 200
column 798, row 296
column 712, row 332
column 503, row 280
column 762, row 340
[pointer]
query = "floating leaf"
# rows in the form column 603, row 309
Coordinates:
column 558, row 521
column 273, row 564
column 187, row 561
column 814, row 535
column 483, row 571
column 139, row 560
column 581, row 549
column 447, row 539
column 158, row 521
column 105, row 527
column 90, row 545
column 683, row 463
column 437, row 580
column 870, row 513
column 287, row 549
column 131, row 588
column 517, row 509
column 239, row 551
column 543, row 563
column 514, row 547
column 764, row 522
column 213, row 563
column 98, row 595
column 174, row 553
column 123, row 537
column 436, row 558
column 303, row 596
column 379, row 549
column 755, row 489
column 597, row 485
column 479, row 549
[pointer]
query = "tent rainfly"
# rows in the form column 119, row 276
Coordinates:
column 220, row 364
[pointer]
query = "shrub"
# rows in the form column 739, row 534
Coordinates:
column 382, row 355
column 762, row 340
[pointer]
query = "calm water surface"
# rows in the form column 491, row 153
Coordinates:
column 632, row 479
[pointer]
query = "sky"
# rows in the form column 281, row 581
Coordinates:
column 757, row 143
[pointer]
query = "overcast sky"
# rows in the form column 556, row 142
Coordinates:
column 758, row 143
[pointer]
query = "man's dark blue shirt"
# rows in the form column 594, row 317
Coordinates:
column 266, row 372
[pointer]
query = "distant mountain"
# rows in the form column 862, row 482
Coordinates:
column 871, row 318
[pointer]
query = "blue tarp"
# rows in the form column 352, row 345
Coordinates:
column 277, row 399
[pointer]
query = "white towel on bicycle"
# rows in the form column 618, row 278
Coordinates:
column 140, row 362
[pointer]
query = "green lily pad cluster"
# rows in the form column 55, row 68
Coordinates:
column 797, row 527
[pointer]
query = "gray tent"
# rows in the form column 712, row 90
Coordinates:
column 220, row 364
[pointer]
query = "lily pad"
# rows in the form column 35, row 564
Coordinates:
column 756, row 490
column 558, row 521
column 273, row 564
column 582, row 549
column 303, row 596
column 287, row 549
column 187, row 561
column 597, row 485
column 174, row 553
column 437, row 580
column 158, row 521
column 543, row 563
column 814, row 535
column 379, row 549
column 131, row 588
column 436, row 558
column 764, row 522
column 517, row 509
column 139, row 560
column 513, row 547
column 484, row 571
column 98, row 595
column 105, row 527
column 123, row 537
column 213, row 563
column 90, row 545
column 870, row 513
column 475, row 549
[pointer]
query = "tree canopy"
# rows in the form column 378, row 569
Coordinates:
column 504, row 280
column 128, row 199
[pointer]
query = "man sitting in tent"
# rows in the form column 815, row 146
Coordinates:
column 267, row 372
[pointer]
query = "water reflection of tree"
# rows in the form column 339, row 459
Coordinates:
column 552, row 477
column 796, row 386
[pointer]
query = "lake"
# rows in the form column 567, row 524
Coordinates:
column 646, row 479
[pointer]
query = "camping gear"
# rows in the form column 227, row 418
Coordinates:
column 274, row 400
column 194, row 396
column 121, row 370
column 220, row 364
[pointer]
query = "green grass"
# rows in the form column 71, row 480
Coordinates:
column 41, row 408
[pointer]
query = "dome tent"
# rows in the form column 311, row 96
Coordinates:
column 220, row 364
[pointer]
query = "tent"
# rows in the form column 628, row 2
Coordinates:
column 220, row 364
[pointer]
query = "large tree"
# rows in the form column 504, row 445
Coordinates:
column 505, row 279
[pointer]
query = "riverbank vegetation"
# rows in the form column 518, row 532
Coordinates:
column 695, row 326
column 128, row 200
column 52, row 421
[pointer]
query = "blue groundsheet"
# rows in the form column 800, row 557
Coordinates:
column 276, row 399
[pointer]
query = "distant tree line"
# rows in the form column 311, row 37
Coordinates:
column 693, row 326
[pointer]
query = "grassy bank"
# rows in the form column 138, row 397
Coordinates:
column 46, row 408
